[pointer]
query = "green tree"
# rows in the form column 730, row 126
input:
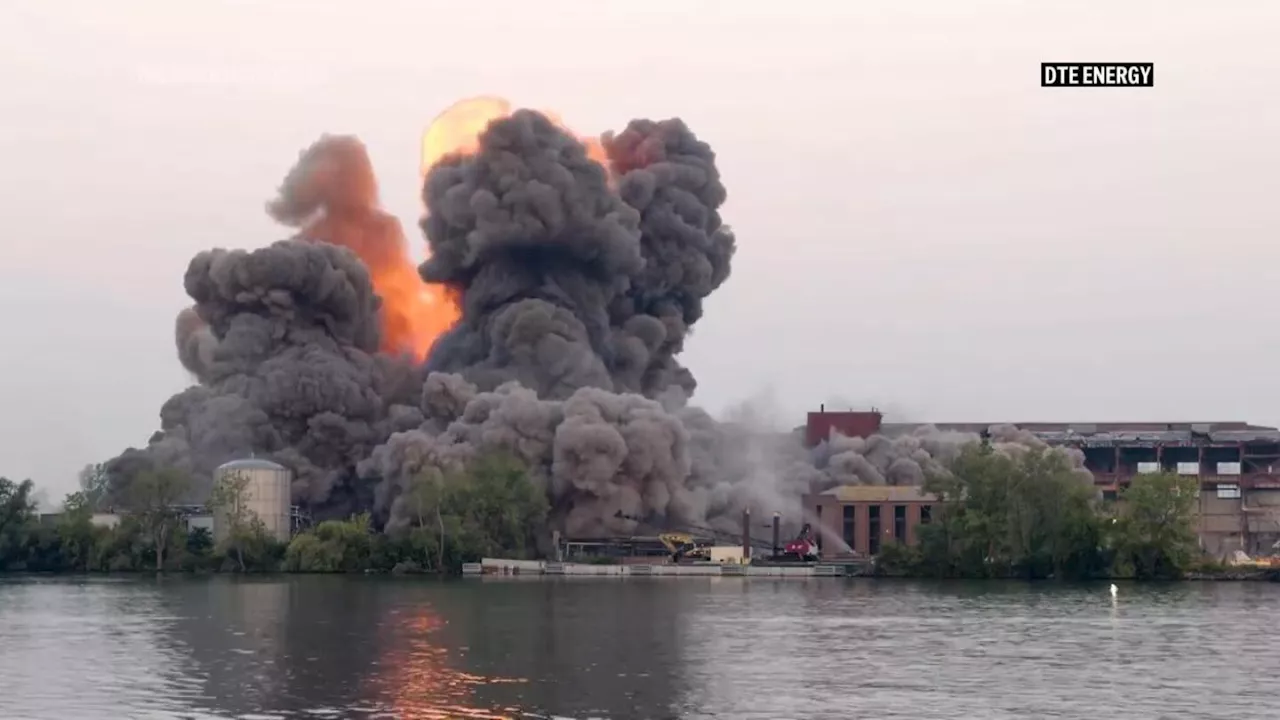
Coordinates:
column 307, row 553
column 488, row 509
column 332, row 546
column 93, row 484
column 1155, row 528
column 1029, row 515
column 899, row 560
column 76, row 532
column 199, row 542
column 428, row 538
column 43, row 550
column 151, row 498
column 500, row 511
column 123, row 548
column 17, row 520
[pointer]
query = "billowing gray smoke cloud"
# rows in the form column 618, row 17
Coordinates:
column 594, row 453
column 283, row 342
column 531, row 232
column 567, row 283
column 578, row 285
column 538, row 244
column 670, row 177
column 909, row 457
column 576, row 298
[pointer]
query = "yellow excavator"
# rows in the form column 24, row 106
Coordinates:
column 684, row 546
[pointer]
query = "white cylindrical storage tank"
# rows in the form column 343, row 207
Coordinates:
column 266, row 495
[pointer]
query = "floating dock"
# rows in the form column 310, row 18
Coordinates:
column 534, row 568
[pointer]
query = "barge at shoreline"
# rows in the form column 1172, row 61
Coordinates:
column 537, row 568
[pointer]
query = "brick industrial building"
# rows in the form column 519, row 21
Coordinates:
column 865, row 517
column 1238, row 466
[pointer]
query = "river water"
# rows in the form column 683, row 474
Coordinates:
column 332, row 647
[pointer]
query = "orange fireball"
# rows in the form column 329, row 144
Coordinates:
column 457, row 130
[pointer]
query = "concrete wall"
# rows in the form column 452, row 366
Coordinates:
column 106, row 520
column 1263, row 522
column 1220, row 524
column 512, row 567
column 491, row 567
column 708, row 570
column 1250, row 523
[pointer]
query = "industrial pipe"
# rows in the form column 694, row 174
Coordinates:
column 777, row 534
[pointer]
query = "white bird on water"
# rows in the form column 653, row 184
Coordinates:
column 1114, row 589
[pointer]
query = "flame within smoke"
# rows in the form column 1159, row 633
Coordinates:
column 333, row 196
column 565, row 275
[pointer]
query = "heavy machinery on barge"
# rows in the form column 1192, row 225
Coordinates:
column 684, row 543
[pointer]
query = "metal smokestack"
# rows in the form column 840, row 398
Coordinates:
column 746, row 535
column 777, row 534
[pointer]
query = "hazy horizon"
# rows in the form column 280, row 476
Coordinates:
column 921, row 226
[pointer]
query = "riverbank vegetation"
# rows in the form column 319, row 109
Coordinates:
column 1029, row 516
column 445, row 520
column 1034, row 516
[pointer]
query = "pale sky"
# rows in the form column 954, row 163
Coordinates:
column 920, row 224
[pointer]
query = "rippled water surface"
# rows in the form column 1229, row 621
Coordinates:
column 86, row 649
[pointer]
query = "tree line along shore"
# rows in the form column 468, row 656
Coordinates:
column 1028, row 516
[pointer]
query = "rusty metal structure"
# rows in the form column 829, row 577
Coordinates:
column 1236, row 463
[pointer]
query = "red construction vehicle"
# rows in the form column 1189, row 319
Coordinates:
column 803, row 548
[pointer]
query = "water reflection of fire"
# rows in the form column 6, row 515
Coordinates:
column 423, row 685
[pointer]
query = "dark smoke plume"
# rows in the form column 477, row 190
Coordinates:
column 530, row 233
column 670, row 177
column 578, row 287
column 574, row 297
column 287, row 368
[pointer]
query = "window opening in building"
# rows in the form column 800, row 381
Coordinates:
column 873, row 528
column 850, row 525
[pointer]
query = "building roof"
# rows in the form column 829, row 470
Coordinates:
column 251, row 464
column 1096, row 427
column 1118, row 433
column 880, row 493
